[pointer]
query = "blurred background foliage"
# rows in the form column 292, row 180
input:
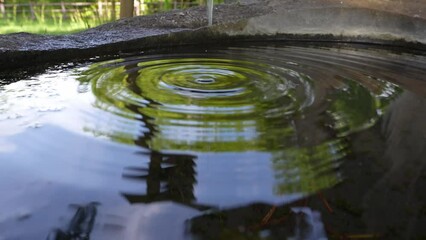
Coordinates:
column 67, row 16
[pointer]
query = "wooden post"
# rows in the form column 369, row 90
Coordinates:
column 33, row 16
column 113, row 13
column 63, row 11
column 100, row 10
column 2, row 9
column 126, row 8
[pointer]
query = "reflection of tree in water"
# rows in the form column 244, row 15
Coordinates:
column 80, row 226
column 168, row 177
column 259, row 221
column 308, row 170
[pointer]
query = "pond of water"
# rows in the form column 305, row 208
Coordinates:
column 252, row 142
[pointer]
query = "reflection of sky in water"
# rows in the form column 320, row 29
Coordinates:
column 222, row 179
column 235, row 178
column 33, row 102
column 93, row 170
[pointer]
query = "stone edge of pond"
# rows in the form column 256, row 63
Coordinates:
column 323, row 25
column 15, row 60
column 340, row 21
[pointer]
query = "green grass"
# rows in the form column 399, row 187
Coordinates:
column 46, row 27
column 48, row 21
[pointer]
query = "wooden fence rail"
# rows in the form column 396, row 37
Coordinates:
column 100, row 8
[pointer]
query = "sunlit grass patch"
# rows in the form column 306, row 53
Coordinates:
column 45, row 28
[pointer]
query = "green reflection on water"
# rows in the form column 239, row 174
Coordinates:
column 222, row 105
column 199, row 104
column 355, row 107
column 309, row 169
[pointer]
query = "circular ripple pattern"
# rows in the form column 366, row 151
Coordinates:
column 239, row 99
column 213, row 87
column 203, row 86
column 199, row 100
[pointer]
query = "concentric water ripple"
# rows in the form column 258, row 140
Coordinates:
column 298, row 104
column 239, row 99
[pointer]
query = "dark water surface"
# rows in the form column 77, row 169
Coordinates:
column 253, row 142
